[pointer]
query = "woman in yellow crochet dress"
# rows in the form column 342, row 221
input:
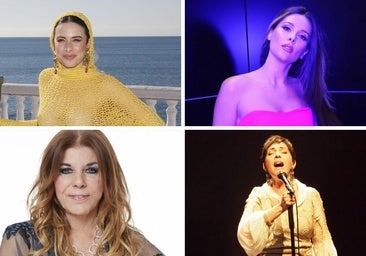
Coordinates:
column 74, row 92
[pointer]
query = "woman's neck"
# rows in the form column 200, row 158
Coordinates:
column 83, row 232
column 275, row 72
column 278, row 186
column 82, row 224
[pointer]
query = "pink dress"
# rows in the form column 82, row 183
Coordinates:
column 297, row 117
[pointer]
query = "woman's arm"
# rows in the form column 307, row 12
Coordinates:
column 13, row 246
column 120, row 106
column 254, row 231
column 147, row 248
column 225, row 112
column 322, row 240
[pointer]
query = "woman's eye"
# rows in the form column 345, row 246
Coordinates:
column 60, row 40
column 304, row 38
column 92, row 170
column 286, row 28
column 65, row 170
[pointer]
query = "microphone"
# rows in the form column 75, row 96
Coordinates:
column 281, row 175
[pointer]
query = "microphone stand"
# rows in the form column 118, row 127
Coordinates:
column 281, row 175
column 292, row 228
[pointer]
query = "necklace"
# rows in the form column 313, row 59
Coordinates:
column 92, row 250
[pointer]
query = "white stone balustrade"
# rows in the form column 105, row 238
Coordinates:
column 150, row 94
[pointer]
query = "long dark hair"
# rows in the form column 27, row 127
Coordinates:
column 310, row 70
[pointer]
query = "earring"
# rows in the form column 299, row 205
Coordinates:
column 55, row 64
column 292, row 173
column 86, row 61
column 303, row 55
column 269, row 179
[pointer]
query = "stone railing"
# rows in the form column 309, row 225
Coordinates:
column 27, row 100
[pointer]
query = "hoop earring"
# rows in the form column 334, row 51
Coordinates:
column 55, row 64
column 86, row 61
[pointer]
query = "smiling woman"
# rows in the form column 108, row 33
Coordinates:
column 75, row 93
column 71, row 42
column 289, row 88
column 79, row 204
column 79, row 187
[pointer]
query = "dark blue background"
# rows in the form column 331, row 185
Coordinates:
column 224, row 37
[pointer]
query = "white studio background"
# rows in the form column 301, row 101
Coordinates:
column 152, row 160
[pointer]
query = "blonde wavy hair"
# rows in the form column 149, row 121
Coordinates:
column 114, row 211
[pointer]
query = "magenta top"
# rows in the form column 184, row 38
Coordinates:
column 297, row 117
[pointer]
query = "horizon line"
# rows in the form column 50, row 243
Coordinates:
column 95, row 36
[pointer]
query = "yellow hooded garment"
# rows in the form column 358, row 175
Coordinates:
column 84, row 96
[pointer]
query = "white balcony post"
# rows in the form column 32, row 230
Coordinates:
column 151, row 103
column 35, row 106
column 171, row 112
column 150, row 93
column 4, row 103
column 20, row 107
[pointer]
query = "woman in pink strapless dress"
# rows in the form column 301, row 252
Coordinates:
column 289, row 88
column 297, row 117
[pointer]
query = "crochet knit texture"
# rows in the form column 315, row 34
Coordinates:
column 97, row 99
column 74, row 96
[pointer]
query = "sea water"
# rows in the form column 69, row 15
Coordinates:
column 132, row 60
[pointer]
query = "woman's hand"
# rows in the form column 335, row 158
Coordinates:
column 287, row 200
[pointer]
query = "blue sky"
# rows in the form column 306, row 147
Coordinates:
column 28, row 18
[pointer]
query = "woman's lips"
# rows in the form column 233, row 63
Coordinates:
column 79, row 197
column 69, row 57
column 288, row 48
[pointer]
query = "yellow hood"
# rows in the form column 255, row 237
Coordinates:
column 87, row 23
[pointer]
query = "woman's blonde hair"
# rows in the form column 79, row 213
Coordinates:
column 114, row 211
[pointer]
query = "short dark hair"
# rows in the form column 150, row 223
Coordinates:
column 275, row 139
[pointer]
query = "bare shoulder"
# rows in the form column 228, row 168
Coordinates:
column 233, row 91
column 239, row 83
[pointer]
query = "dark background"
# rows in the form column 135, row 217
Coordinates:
column 222, row 167
column 223, row 38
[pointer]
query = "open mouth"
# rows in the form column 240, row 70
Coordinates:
column 278, row 164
